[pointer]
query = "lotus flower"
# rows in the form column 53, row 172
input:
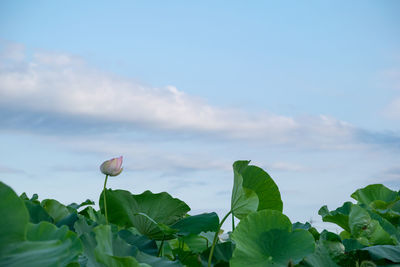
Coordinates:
column 112, row 167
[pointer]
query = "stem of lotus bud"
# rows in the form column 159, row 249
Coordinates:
column 105, row 199
column 216, row 237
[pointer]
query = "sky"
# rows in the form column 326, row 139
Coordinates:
column 307, row 90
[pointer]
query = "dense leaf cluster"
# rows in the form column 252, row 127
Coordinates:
column 151, row 229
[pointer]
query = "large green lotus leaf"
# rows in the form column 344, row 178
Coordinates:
column 93, row 215
column 198, row 223
column 89, row 242
column 122, row 248
column 46, row 245
column 75, row 206
column 36, row 212
column 381, row 200
column 396, row 206
column 185, row 256
column 103, row 247
column 143, row 243
column 306, row 226
column 181, row 251
column 24, row 244
column 223, row 251
column 222, row 254
column 340, row 216
column 164, row 230
column 14, row 217
column 34, row 254
column 344, row 235
column 352, row 244
column 119, row 247
column 388, row 252
column 320, row 258
column 200, row 243
column 55, row 209
column 120, row 207
column 299, row 225
column 366, row 230
column 382, row 205
column 196, row 243
column 374, row 192
column 265, row 238
column 388, row 210
column 354, row 257
column 69, row 221
column 162, row 207
column 267, row 191
column 156, row 261
column 244, row 200
column 34, row 198
column 84, row 227
column 123, row 251
column 45, row 231
column 104, row 251
column 391, row 229
column 147, row 212
column 332, row 243
column 253, row 189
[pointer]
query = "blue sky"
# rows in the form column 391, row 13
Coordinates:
column 309, row 91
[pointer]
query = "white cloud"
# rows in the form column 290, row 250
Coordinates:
column 64, row 84
column 11, row 51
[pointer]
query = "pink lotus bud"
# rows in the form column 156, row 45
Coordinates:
column 112, row 167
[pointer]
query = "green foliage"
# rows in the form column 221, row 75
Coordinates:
column 154, row 229
column 27, row 244
column 391, row 253
column 375, row 192
column 265, row 238
column 196, row 224
column 36, row 212
column 106, row 251
column 55, row 209
column 371, row 227
column 381, row 200
column 366, row 230
column 306, row 226
column 340, row 216
column 151, row 214
column 253, row 190
column 328, row 249
column 14, row 217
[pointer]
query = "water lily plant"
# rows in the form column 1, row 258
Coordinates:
column 112, row 167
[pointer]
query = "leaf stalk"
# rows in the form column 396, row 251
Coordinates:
column 216, row 237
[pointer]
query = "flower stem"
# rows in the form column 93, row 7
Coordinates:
column 161, row 247
column 216, row 237
column 105, row 200
column 233, row 222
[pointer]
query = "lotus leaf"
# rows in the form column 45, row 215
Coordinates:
column 159, row 209
column 253, row 189
column 265, row 238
